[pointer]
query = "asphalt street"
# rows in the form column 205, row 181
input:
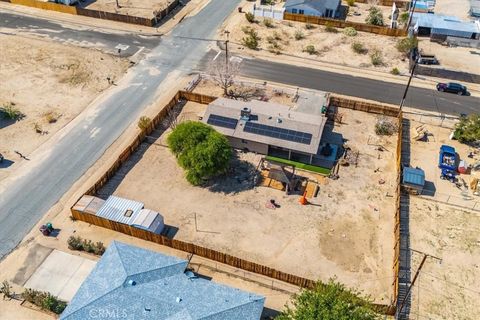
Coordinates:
column 44, row 180
column 108, row 42
column 387, row 92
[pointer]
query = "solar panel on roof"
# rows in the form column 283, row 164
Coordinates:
column 278, row 133
column 216, row 120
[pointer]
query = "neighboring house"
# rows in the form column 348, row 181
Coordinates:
column 134, row 283
column 272, row 129
column 319, row 8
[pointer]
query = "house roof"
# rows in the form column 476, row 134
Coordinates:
column 448, row 25
column 115, row 209
column 275, row 117
column 319, row 5
column 135, row 283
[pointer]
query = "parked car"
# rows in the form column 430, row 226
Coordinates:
column 427, row 59
column 452, row 88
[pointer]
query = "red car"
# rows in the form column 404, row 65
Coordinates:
column 452, row 88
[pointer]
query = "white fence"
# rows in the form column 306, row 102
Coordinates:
column 268, row 12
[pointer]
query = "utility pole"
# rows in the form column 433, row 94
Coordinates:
column 408, row 84
column 226, row 48
column 425, row 256
column 411, row 14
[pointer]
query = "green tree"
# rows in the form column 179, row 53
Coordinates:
column 406, row 44
column 331, row 301
column 375, row 16
column 467, row 130
column 200, row 150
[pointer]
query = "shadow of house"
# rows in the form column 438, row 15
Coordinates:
column 5, row 122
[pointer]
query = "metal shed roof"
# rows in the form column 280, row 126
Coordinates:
column 115, row 208
column 414, row 176
column 445, row 25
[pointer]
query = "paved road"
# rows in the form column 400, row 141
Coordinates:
column 387, row 92
column 108, row 42
column 49, row 175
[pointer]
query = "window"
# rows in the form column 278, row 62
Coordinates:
column 301, row 11
column 329, row 13
column 294, row 11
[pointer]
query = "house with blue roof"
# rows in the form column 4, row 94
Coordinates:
column 134, row 283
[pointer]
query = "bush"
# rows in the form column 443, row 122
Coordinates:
column 144, row 122
column 51, row 116
column 376, row 58
column 310, row 49
column 277, row 36
column 44, row 300
column 374, row 17
column 330, row 28
column 299, row 35
column 350, row 31
column 351, row 3
column 250, row 17
column 5, row 289
column 250, row 42
column 9, row 111
column 406, row 44
column 268, row 23
column 309, row 26
column 79, row 244
column 200, row 150
column 385, row 127
column 359, row 48
column 467, row 130
column 395, row 71
column 403, row 18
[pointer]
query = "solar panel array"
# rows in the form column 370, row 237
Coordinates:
column 279, row 133
column 225, row 122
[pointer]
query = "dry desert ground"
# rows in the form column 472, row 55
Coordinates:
column 136, row 8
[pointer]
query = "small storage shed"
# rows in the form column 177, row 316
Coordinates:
column 413, row 180
column 149, row 220
column 426, row 24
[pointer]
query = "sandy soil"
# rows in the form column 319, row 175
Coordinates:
column 328, row 238
column 362, row 9
column 458, row 8
column 42, row 77
column 449, row 290
column 452, row 58
column 137, row 8
column 334, row 48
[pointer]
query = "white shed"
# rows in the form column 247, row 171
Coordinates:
column 149, row 220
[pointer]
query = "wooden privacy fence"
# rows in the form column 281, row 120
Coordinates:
column 193, row 248
column 370, row 107
column 149, row 22
column 387, row 3
column 343, row 24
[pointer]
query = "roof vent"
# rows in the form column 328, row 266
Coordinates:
column 132, row 282
column 147, row 309
column 178, row 299
column 128, row 213
column 245, row 113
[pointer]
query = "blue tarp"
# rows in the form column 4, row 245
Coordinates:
column 414, row 176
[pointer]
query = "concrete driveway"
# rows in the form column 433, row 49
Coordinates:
column 61, row 274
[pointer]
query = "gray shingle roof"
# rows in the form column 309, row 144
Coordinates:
column 319, row 5
column 135, row 283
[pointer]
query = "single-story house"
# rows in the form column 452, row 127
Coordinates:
column 133, row 283
column 434, row 25
column 272, row 129
column 319, row 8
column 122, row 210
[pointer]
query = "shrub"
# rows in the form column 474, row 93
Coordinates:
column 251, row 40
column 358, row 47
column 79, row 244
column 395, row 71
column 351, row 3
column 75, row 243
column 375, row 16
column 376, row 58
column 350, row 31
column 250, row 17
column 200, row 150
column 403, row 18
column 299, row 35
column 144, row 122
column 9, row 111
column 268, row 23
column 310, row 49
column 406, row 44
column 44, row 300
column 309, row 26
column 37, row 127
column 5, row 289
column 385, row 127
column 467, row 130
column 330, row 28
column 51, row 116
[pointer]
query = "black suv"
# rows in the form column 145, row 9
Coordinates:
column 452, row 88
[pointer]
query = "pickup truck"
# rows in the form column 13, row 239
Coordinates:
column 427, row 59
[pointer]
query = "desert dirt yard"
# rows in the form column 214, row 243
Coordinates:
column 136, row 8
column 50, row 84
column 450, row 289
column 458, row 8
column 346, row 232
column 291, row 39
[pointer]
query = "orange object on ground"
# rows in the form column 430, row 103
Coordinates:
column 303, row 199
